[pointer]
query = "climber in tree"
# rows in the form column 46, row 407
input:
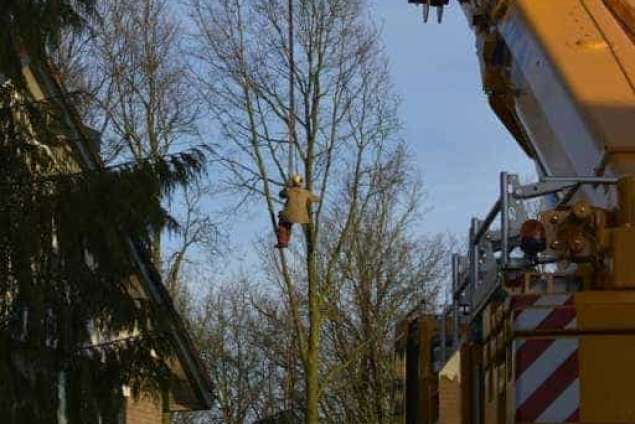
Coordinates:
column 296, row 209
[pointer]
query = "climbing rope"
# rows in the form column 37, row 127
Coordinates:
column 291, row 118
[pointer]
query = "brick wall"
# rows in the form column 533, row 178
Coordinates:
column 145, row 410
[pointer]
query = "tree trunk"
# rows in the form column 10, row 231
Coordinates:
column 313, row 348
column 155, row 249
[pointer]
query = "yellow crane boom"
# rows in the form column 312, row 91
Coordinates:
column 561, row 75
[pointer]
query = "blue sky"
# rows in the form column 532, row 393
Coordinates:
column 460, row 145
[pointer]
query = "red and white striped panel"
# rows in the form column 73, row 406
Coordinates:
column 546, row 368
column 546, row 312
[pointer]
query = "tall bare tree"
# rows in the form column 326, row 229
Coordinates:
column 387, row 271
column 245, row 353
column 141, row 92
column 346, row 114
column 131, row 81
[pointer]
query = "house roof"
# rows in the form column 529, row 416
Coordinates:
column 43, row 84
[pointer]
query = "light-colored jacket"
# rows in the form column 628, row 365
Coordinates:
column 296, row 208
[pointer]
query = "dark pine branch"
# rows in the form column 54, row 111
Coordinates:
column 69, row 305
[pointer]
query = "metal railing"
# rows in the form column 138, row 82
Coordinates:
column 477, row 276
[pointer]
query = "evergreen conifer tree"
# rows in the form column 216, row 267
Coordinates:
column 71, row 314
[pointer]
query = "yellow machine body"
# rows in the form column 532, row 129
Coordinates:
column 605, row 339
column 560, row 74
column 419, row 356
column 606, row 322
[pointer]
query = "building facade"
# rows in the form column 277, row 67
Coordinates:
column 76, row 150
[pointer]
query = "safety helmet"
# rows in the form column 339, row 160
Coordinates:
column 297, row 180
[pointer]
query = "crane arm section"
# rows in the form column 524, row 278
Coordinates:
column 560, row 74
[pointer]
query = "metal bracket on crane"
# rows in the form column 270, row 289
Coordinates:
column 476, row 276
column 438, row 4
column 552, row 185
